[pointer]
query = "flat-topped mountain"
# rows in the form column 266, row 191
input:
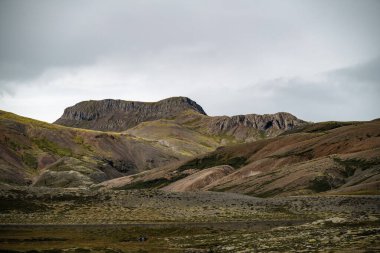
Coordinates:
column 119, row 115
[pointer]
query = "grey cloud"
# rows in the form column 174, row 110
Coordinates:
column 39, row 34
column 368, row 72
column 193, row 48
column 350, row 93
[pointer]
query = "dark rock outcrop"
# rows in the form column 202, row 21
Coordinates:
column 119, row 115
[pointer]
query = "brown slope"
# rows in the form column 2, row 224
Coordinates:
column 45, row 154
column 344, row 159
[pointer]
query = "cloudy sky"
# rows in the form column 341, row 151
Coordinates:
column 319, row 60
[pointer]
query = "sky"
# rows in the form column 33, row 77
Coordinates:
column 319, row 60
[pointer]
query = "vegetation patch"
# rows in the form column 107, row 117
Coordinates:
column 80, row 140
column 12, row 144
column 262, row 134
column 52, row 147
column 30, row 160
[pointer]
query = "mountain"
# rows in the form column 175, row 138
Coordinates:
column 177, row 124
column 119, row 115
column 329, row 157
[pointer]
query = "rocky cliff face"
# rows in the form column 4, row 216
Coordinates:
column 281, row 120
column 119, row 115
column 240, row 125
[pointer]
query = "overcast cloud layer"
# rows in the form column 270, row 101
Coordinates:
column 319, row 60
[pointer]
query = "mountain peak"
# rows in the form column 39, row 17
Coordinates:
column 183, row 101
column 119, row 115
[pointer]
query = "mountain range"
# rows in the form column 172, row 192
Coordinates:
column 174, row 145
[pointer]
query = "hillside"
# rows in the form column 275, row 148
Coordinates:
column 42, row 154
column 322, row 158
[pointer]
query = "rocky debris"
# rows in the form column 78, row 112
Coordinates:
column 120, row 115
column 332, row 220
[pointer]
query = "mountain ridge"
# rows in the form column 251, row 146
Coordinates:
column 120, row 115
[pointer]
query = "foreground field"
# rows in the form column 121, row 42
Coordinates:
column 53, row 220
